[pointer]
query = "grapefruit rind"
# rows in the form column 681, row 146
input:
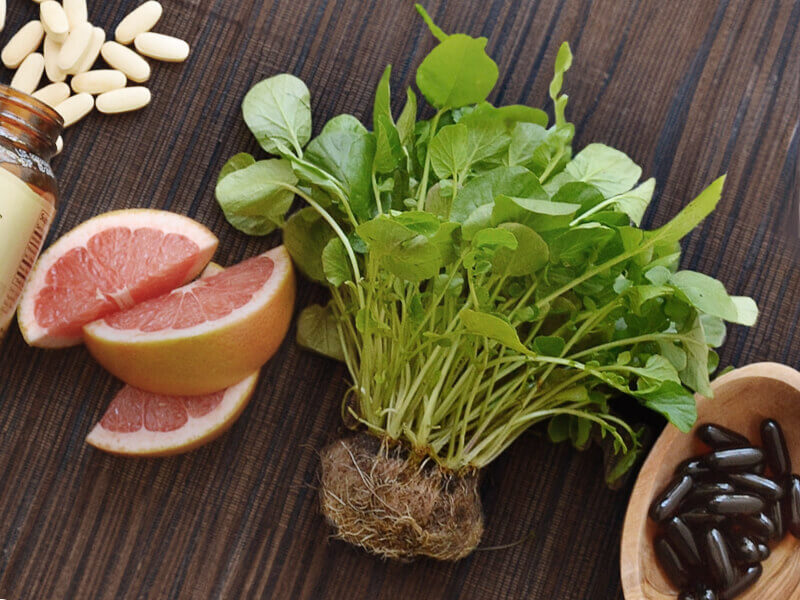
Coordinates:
column 36, row 335
column 204, row 358
column 196, row 432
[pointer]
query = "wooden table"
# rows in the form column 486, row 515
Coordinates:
column 689, row 88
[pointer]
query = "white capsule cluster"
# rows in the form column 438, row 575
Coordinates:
column 71, row 46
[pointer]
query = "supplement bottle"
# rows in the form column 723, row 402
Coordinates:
column 28, row 191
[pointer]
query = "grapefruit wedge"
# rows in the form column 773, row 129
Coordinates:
column 139, row 423
column 107, row 264
column 202, row 337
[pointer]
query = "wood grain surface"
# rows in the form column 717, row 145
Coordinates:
column 688, row 88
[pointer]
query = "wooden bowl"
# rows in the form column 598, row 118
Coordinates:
column 742, row 399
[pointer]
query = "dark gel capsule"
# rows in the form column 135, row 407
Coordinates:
column 735, row 504
column 682, row 540
column 791, row 507
column 702, row 593
column 775, row 445
column 699, row 516
column 718, row 558
column 666, row 504
column 760, row 526
column 719, row 437
column 750, row 482
column 671, row 563
column 694, row 467
column 749, row 577
column 775, row 513
column 745, row 551
column 763, row 552
column 734, row 460
column 703, row 492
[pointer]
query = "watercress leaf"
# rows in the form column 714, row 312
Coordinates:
column 579, row 432
column 418, row 221
column 675, row 354
column 457, row 72
column 236, row 163
column 695, row 375
column 673, row 401
column 658, row 275
column 562, row 65
column 606, row 168
column 278, row 112
column 255, row 199
column 481, row 218
column 525, row 139
column 493, row 238
column 493, row 327
column 437, row 202
column 486, row 140
column 539, row 215
column 691, row 215
column 530, row 255
column 746, row 310
column 435, row 29
column 581, row 244
column 548, row 345
column 578, row 192
column 346, row 154
column 705, row 293
column 305, row 235
column 414, row 260
column 658, row 369
column 408, row 119
column 483, row 189
column 450, row 152
column 335, row 263
column 558, row 428
column 513, row 114
column 388, row 148
column 714, row 330
column 383, row 234
column 447, row 241
column 317, row 331
column 635, row 202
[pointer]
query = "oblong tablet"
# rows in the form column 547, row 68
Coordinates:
column 25, row 41
column 74, row 108
column 126, row 60
column 161, row 47
column 54, row 20
column 124, row 100
column 29, row 74
column 138, row 21
column 53, row 94
column 99, row 81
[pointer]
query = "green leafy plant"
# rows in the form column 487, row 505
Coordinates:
column 482, row 279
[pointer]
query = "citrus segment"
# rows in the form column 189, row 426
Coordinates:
column 204, row 336
column 109, row 263
column 138, row 423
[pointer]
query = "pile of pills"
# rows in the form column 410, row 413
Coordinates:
column 71, row 46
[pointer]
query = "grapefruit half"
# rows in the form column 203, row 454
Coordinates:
column 202, row 337
column 109, row 263
column 139, row 423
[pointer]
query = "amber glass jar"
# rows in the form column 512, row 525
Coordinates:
column 28, row 191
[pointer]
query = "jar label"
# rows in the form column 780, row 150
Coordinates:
column 25, row 218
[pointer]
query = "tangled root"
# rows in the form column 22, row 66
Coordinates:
column 396, row 505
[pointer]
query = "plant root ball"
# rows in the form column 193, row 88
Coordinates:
column 397, row 505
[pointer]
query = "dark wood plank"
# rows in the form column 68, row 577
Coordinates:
column 690, row 89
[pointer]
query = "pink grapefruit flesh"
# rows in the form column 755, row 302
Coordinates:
column 204, row 336
column 139, row 423
column 109, row 263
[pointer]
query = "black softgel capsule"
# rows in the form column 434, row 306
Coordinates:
column 671, row 563
column 775, row 445
column 750, row 482
column 791, row 507
column 666, row 504
column 759, row 526
column 682, row 540
column 718, row 437
column 749, row 577
column 734, row 460
column 745, row 550
column 718, row 558
column 736, row 504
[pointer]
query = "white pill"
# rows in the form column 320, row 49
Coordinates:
column 92, row 52
column 75, row 47
column 59, row 145
column 54, row 20
column 161, row 47
column 29, row 74
column 99, row 81
column 25, row 41
column 77, row 12
column 53, row 94
column 138, row 21
column 126, row 60
column 74, row 108
column 52, row 50
column 124, row 100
